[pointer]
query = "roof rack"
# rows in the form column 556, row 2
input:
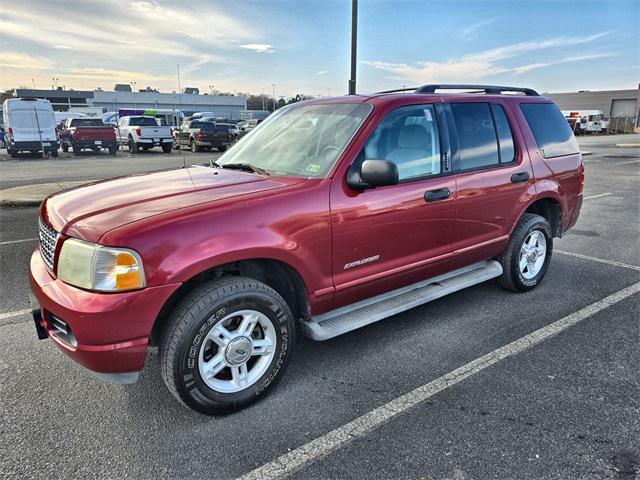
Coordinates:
column 491, row 89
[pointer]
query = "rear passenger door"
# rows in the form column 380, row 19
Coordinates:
column 493, row 176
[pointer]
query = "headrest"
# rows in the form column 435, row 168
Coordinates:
column 413, row 136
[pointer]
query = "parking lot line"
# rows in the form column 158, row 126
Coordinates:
column 630, row 161
column 17, row 313
column 322, row 446
column 9, row 242
column 599, row 195
column 599, row 260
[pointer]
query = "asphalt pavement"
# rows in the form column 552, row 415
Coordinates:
column 567, row 407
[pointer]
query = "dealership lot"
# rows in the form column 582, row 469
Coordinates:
column 566, row 408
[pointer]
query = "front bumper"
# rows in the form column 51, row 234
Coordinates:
column 107, row 333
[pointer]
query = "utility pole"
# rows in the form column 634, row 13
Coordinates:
column 264, row 107
column 354, row 46
column 274, row 96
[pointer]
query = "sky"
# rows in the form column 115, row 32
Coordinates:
column 304, row 46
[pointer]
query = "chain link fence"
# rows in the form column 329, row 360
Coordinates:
column 622, row 125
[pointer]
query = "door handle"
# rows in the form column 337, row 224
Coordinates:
column 520, row 177
column 435, row 195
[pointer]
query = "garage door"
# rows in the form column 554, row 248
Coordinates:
column 626, row 107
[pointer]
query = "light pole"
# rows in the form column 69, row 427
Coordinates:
column 354, row 46
column 264, row 107
column 133, row 89
column 274, row 96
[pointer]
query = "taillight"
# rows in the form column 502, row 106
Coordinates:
column 139, row 131
column 200, row 134
column 11, row 133
column 581, row 186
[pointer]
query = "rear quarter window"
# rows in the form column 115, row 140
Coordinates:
column 550, row 129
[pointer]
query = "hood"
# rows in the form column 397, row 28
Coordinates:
column 89, row 211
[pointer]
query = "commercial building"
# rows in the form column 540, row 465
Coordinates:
column 614, row 104
column 101, row 101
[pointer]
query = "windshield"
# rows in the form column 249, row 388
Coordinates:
column 300, row 140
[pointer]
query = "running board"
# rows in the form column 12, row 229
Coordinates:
column 365, row 312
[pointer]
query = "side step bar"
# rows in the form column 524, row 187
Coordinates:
column 365, row 312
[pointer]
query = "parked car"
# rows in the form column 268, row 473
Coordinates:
column 81, row 133
column 199, row 135
column 30, row 126
column 333, row 214
column 141, row 132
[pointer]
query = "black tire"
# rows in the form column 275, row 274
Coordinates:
column 166, row 147
column 76, row 150
column 512, row 278
column 186, row 331
column 65, row 148
column 113, row 149
column 54, row 153
column 133, row 146
column 13, row 153
column 222, row 149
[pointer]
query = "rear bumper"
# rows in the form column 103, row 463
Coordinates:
column 34, row 146
column 576, row 212
column 92, row 143
column 107, row 333
column 151, row 141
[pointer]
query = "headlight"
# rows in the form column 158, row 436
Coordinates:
column 95, row 267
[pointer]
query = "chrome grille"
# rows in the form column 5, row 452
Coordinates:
column 48, row 240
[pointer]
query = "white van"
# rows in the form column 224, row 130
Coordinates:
column 29, row 126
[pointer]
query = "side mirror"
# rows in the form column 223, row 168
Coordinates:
column 373, row 173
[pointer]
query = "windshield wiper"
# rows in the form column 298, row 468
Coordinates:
column 245, row 167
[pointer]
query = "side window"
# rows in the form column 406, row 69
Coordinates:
column 550, row 129
column 476, row 134
column 505, row 137
column 408, row 137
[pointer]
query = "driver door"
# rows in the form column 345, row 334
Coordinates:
column 388, row 237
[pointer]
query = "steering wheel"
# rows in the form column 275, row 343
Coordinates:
column 327, row 149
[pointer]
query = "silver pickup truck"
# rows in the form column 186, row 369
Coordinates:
column 139, row 132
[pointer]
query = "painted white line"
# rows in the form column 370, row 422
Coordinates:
column 17, row 313
column 596, row 259
column 9, row 242
column 599, row 195
column 322, row 446
column 630, row 161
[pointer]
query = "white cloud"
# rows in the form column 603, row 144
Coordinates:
column 321, row 72
column 475, row 66
column 471, row 31
column 259, row 47
column 23, row 61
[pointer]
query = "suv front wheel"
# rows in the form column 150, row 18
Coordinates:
column 226, row 344
column 527, row 257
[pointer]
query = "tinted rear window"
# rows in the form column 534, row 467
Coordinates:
column 505, row 138
column 86, row 122
column 143, row 122
column 476, row 134
column 550, row 129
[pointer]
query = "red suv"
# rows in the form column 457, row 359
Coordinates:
column 331, row 215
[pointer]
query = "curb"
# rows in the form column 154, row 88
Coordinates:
column 627, row 145
column 33, row 195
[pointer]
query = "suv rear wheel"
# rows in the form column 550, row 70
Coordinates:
column 527, row 257
column 226, row 344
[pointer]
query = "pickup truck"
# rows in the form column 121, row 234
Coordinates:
column 199, row 135
column 80, row 133
column 331, row 215
column 140, row 132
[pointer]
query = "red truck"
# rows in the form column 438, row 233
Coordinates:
column 332, row 214
column 87, row 133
